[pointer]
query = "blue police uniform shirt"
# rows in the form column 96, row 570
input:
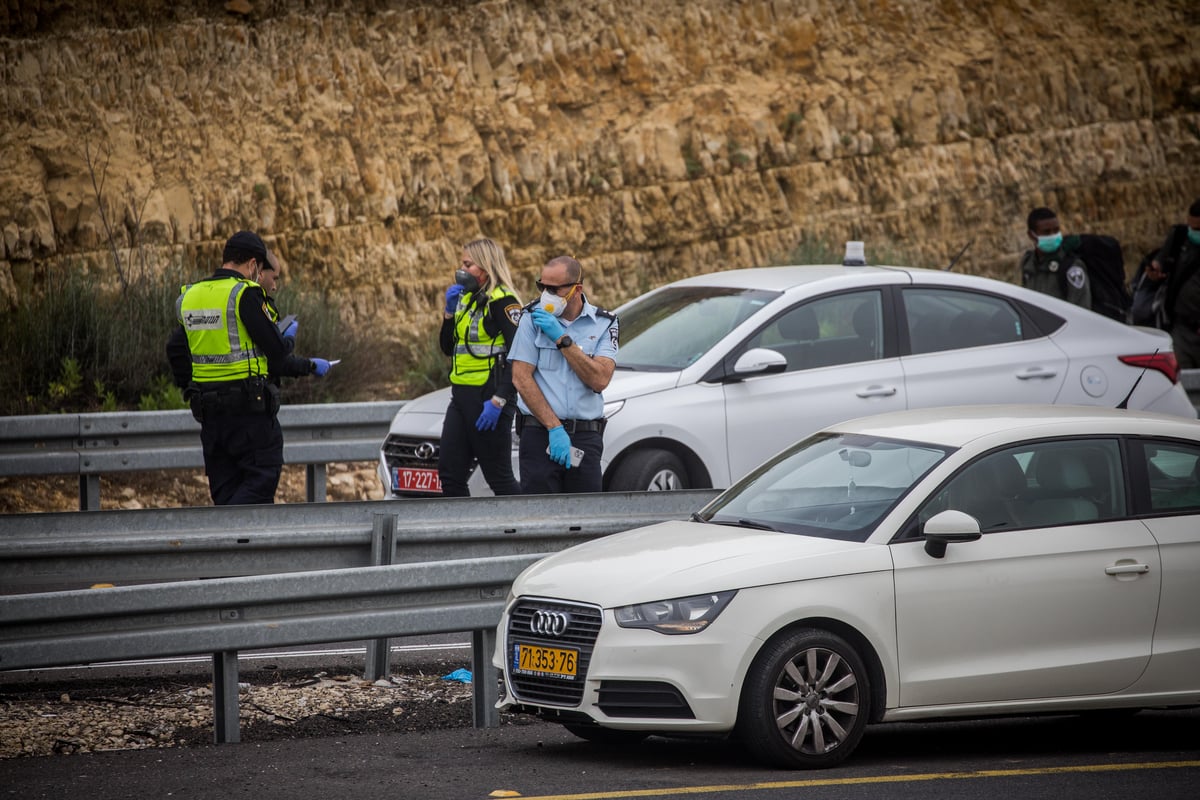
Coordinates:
column 569, row 397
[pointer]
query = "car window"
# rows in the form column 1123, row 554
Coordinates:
column 835, row 486
column 945, row 319
column 839, row 329
column 1173, row 470
column 1037, row 485
column 669, row 329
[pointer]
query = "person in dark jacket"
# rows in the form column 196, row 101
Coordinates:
column 1178, row 263
column 223, row 355
column 1047, row 267
column 479, row 320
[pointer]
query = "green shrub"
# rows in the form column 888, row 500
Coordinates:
column 76, row 347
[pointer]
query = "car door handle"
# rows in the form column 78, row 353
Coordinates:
column 1036, row 372
column 1127, row 569
column 876, row 391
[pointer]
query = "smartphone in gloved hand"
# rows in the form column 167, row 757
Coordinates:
column 282, row 325
column 576, row 456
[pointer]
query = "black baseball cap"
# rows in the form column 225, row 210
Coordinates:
column 243, row 246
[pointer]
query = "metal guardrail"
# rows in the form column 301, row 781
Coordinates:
column 87, row 547
column 91, row 445
column 427, row 543
column 226, row 615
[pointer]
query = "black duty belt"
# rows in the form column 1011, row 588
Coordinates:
column 570, row 425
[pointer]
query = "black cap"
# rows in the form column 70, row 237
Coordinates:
column 243, row 246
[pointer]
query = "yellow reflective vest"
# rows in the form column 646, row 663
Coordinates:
column 475, row 351
column 221, row 348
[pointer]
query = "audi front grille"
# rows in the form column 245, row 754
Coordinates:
column 539, row 622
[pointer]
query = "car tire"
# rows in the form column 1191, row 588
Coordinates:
column 607, row 737
column 805, row 702
column 651, row 470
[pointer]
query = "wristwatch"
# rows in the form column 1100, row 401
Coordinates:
column 499, row 401
column 565, row 342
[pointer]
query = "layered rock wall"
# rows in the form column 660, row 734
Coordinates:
column 652, row 139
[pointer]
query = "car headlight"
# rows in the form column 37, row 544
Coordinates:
column 612, row 408
column 681, row 615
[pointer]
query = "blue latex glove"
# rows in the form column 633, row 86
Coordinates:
column 489, row 416
column 290, row 331
column 560, row 446
column 548, row 324
column 452, row 293
column 322, row 366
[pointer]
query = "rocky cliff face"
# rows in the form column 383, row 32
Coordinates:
column 652, row 139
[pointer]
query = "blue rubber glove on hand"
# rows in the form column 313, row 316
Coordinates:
column 290, row 331
column 489, row 416
column 548, row 324
column 321, row 366
column 452, row 294
column 560, row 446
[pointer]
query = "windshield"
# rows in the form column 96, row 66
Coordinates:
column 668, row 330
column 835, row 486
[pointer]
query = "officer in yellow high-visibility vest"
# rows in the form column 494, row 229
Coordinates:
column 479, row 320
column 222, row 355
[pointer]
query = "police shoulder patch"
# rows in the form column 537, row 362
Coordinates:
column 1076, row 276
column 513, row 312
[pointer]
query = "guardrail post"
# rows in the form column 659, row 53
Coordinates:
column 486, row 691
column 89, row 492
column 226, row 725
column 383, row 551
column 314, row 483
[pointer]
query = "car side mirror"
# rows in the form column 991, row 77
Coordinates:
column 759, row 361
column 949, row 526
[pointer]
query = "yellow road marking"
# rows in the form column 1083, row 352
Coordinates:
column 813, row 782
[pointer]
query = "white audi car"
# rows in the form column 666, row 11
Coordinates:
column 929, row 564
column 717, row 372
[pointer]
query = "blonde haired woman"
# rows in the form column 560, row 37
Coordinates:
column 479, row 322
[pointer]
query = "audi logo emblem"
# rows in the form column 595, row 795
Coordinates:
column 550, row 623
column 426, row 451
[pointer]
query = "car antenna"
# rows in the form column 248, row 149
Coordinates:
column 1124, row 404
column 961, row 253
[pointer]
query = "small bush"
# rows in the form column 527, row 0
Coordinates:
column 76, row 347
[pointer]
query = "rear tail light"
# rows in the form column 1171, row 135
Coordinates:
column 1163, row 362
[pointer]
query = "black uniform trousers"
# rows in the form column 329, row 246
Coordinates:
column 463, row 443
column 541, row 475
column 243, row 457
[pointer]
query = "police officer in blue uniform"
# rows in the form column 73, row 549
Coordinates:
column 563, row 358
column 223, row 355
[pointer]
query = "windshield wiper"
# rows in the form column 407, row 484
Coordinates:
column 695, row 517
column 745, row 523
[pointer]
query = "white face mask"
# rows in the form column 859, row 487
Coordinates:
column 552, row 303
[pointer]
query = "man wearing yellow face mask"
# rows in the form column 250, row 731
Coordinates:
column 563, row 358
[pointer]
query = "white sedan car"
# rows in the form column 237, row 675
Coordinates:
column 947, row 562
column 717, row 372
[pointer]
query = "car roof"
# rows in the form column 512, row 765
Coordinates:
column 957, row 426
column 782, row 278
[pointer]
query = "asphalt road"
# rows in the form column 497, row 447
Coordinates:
column 1155, row 755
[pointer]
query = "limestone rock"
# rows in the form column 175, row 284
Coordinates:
column 653, row 139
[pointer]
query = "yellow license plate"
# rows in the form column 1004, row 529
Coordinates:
column 530, row 659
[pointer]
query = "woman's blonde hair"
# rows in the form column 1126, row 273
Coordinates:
column 490, row 257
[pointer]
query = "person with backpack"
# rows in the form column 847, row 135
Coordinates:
column 1048, row 267
column 1178, row 262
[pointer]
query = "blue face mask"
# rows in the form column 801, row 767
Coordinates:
column 1049, row 244
column 1193, row 236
